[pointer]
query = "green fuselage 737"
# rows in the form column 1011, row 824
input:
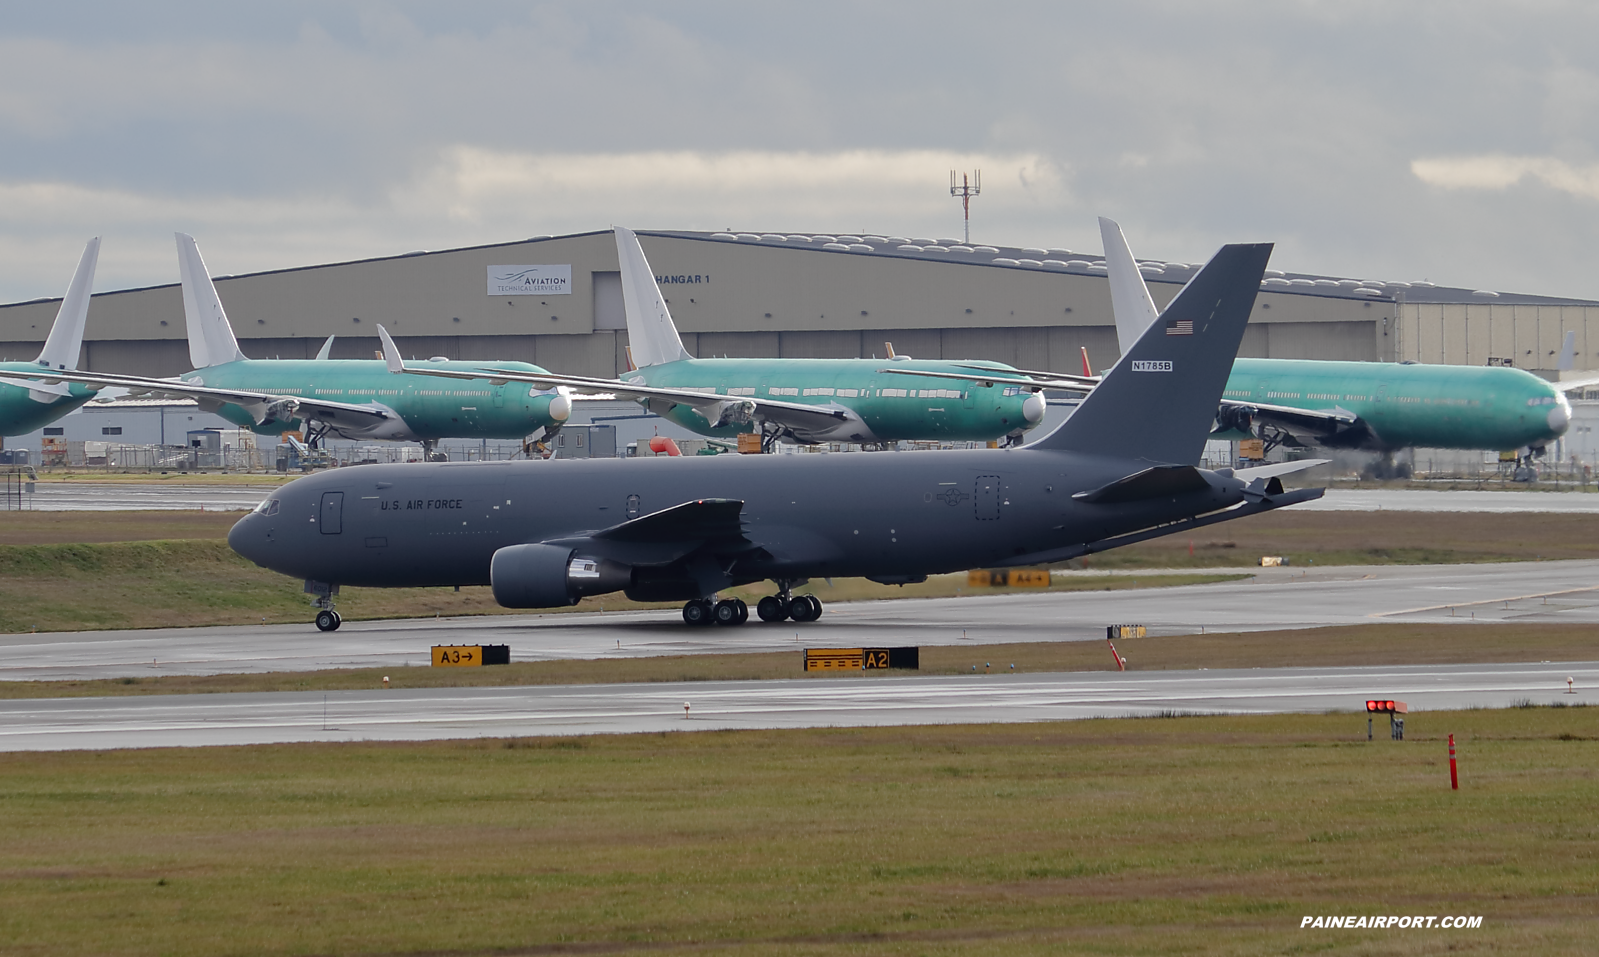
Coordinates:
column 403, row 408
column 1398, row 405
column 876, row 407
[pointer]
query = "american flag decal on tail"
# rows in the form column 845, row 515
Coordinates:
column 1180, row 327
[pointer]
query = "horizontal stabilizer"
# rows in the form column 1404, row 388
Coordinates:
column 1158, row 482
column 1277, row 468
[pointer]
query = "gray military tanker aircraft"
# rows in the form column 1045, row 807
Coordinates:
column 545, row 534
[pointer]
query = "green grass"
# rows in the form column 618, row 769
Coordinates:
column 154, row 584
column 1179, row 835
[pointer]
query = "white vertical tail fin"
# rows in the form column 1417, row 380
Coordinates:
column 211, row 340
column 651, row 337
column 1567, row 360
column 327, row 348
column 66, row 333
column 1129, row 296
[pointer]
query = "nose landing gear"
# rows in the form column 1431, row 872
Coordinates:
column 326, row 618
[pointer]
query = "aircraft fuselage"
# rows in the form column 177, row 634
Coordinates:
column 424, row 407
column 885, row 407
column 1409, row 405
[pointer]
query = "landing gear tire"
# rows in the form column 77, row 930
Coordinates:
column 328, row 620
column 772, row 609
column 732, row 611
column 698, row 612
column 805, row 608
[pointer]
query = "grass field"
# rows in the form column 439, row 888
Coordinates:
column 1190, row 835
column 1383, row 644
column 165, row 583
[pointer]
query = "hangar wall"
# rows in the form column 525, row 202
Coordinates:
column 1529, row 336
column 728, row 298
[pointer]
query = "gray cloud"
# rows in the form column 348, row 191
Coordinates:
column 292, row 133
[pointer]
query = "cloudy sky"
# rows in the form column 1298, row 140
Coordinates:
column 1453, row 141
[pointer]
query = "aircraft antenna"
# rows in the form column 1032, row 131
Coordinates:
column 964, row 191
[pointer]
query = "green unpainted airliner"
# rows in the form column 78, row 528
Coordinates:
column 1371, row 406
column 28, row 404
column 349, row 398
column 806, row 401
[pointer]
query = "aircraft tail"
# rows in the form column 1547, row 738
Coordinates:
column 1567, row 360
column 1159, row 400
column 1129, row 295
column 651, row 337
column 211, row 340
column 65, row 341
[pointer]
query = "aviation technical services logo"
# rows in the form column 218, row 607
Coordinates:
column 530, row 280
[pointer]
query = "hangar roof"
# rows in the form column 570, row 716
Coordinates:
column 1027, row 258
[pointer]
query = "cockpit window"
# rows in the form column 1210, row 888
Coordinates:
column 268, row 507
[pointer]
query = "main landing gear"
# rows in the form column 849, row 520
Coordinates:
column 728, row 611
column 328, row 620
column 773, row 608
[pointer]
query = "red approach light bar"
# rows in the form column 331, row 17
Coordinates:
column 1386, row 707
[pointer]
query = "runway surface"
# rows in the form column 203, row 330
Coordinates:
column 1458, row 500
column 235, row 719
column 120, row 497
column 1275, row 598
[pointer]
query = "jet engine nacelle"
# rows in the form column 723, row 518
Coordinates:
column 551, row 576
column 1235, row 418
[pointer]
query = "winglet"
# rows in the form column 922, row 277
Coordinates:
column 65, row 341
column 211, row 340
column 1129, row 296
column 1087, row 369
column 1568, row 352
column 650, row 332
column 327, row 348
column 391, row 352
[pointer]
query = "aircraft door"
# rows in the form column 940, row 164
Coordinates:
column 985, row 498
column 332, row 517
column 499, row 396
column 970, row 395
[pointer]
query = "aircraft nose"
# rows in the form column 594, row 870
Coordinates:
column 560, row 408
column 248, row 537
column 1033, row 408
column 1560, row 416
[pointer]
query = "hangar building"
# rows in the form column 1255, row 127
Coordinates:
column 790, row 294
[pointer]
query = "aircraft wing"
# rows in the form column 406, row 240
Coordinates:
column 1318, row 421
column 670, row 535
column 719, row 409
column 34, row 385
column 1582, row 382
column 1048, row 381
column 260, row 405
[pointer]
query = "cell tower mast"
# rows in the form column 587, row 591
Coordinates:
column 964, row 191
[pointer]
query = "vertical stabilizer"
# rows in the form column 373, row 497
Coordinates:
column 66, row 334
column 1567, row 360
column 1158, row 402
column 1129, row 295
column 651, row 337
column 211, row 340
column 327, row 349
